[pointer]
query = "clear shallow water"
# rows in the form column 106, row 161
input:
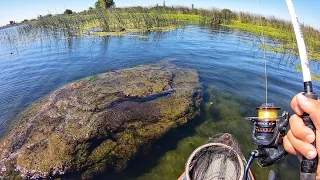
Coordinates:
column 230, row 66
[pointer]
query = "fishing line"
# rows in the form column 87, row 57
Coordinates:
column 308, row 167
column 264, row 54
column 268, row 127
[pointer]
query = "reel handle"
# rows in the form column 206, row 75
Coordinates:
column 308, row 168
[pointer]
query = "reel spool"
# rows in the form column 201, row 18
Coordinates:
column 264, row 126
column 268, row 130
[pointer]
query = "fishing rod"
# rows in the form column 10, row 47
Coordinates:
column 308, row 167
column 269, row 128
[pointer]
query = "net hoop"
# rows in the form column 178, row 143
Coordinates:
column 195, row 152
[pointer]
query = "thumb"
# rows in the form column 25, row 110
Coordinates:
column 311, row 107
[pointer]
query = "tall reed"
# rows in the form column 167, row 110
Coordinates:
column 148, row 18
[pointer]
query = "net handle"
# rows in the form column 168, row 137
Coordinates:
column 187, row 169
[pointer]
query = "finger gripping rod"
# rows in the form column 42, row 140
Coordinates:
column 308, row 167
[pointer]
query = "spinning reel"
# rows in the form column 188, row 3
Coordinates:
column 268, row 130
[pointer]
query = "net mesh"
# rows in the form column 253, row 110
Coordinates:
column 220, row 158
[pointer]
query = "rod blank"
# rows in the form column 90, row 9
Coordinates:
column 300, row 41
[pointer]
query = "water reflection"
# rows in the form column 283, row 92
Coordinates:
column 230, row 65
column 104, row 44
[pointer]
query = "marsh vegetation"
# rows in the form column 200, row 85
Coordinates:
column 119, row 21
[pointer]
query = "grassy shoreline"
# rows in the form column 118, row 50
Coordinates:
column 119, row 21
column 288, row 37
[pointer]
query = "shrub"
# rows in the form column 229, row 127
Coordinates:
column 67, row 11
column 104, row 4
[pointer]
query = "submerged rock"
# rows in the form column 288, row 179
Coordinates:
column 99, row 123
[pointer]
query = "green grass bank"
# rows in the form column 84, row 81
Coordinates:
column 120, row 21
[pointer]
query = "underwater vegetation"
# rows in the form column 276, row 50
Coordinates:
column 99, row 123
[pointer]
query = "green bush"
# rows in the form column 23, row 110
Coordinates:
column 67, row 11
column 227, row 16
column 104, row 4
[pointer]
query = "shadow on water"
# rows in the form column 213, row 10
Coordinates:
column 220, row 112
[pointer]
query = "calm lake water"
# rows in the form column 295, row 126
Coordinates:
column 231, row 69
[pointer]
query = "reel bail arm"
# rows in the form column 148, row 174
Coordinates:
column 268, row 131
column 275, row 152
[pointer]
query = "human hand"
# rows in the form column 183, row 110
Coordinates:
column 299, row 138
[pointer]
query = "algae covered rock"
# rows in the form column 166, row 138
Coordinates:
column 99, row 123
